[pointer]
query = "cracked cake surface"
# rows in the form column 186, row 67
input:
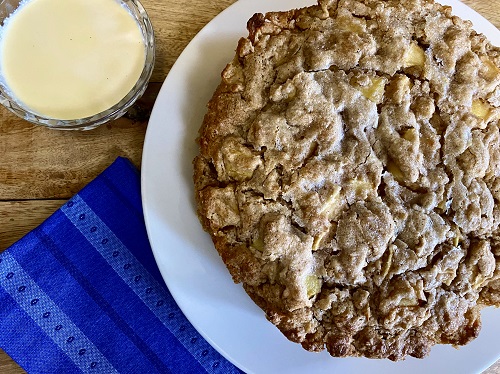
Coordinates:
column 349, row 175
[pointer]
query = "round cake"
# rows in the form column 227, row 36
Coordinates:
column 349, row 175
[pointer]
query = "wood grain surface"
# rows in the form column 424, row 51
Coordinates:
column 40, row 169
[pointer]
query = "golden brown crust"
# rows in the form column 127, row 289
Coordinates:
column 349, row 171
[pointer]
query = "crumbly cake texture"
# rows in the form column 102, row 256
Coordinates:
column 349, row 175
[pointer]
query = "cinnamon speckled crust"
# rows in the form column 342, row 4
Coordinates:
column 349, row 175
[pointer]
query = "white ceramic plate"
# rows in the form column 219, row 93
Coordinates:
column 196, row 277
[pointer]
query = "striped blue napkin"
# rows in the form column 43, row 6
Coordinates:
column 82, row 293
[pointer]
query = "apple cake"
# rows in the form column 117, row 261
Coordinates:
column 349, row 175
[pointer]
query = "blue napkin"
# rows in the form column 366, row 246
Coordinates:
column 82, row 293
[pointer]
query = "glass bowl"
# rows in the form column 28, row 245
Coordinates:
column 139, row 13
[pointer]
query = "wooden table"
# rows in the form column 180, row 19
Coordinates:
column 40, row 169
